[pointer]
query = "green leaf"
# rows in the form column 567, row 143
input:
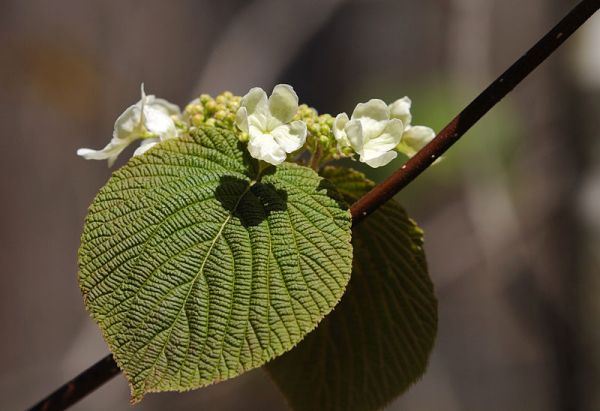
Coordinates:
column 195, row 272
column 378, row 339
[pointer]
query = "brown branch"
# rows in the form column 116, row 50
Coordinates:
column 80, row 386
column 105, row 369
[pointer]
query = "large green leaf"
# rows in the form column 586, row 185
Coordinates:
column 378, row 339
column 196, row 272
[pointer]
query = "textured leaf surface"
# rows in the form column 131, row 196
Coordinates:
column 195, row 273
column 378, row 339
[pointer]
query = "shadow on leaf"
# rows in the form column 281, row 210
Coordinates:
column 250, row 203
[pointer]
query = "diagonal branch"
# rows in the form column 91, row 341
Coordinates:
column 105, row 369
column 80, row 386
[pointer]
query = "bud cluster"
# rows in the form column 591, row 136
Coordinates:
column 320, row 140
column 215, row 112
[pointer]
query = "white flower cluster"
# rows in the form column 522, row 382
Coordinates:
column 375, row 131
column 269, row 123
column 149, row 119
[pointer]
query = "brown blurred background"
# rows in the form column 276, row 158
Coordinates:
column 512, row 215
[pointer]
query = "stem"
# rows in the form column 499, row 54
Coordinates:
column 80, row 386
column 105, row 369
column 262, row 167
column 315, row 159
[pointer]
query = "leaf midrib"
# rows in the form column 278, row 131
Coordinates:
column 193, row 282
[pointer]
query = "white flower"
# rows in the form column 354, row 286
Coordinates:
column 370, row 132
column 149, row 119
column 414, row 137
column 269, row 123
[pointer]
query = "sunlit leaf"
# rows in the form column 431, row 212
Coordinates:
column 196, row 272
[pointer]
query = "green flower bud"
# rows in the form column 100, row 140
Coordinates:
column 243, row 137
column 211, row 106
column 197, row 119
column 220, row 114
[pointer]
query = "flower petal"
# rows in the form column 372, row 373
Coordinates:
column 390, row 136
column 241, row 119
column 354, row 131
column 290, row 137
column 156, row 103
column 146, row 145
column 264, row 147
column 417, row 137
column 110, row 152
column 283, row 103
column 255, row 102
column 338, row 130
column 406, row 149
column 165, row 106
column 400, row 109
column 159, row 123
column 374, row 109
column 380, row 160
column 128, row 123
column 371, row 128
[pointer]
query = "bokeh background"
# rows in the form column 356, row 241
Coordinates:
column 512, row 215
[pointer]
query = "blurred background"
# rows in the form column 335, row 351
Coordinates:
column 512, row 215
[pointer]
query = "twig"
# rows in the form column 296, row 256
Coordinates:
column 80, row 386
column 105, row 369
